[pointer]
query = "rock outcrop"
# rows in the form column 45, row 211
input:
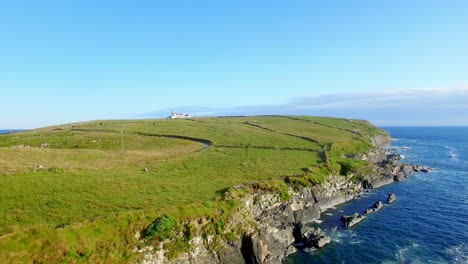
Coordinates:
column 375, row 208
column 314, row 237
column 391, row 198
column 277, row 225
column 350, row 220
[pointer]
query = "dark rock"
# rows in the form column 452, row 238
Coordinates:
column 391, row 198
column 317, row 238
column 230, row 254
column 307, row 215
column 366, row 184
column 375, row 208
column 312, row 237
column 252, row 250
column 350, row 220
column 418, row 168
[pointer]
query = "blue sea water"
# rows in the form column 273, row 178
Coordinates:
column 9, row 130
column 428, row 223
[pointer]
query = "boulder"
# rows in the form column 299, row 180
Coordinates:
column 391, row 198
column 350, row 220
column 314, row 237
column 375, row 208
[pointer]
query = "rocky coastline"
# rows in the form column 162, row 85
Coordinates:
column 274, row 228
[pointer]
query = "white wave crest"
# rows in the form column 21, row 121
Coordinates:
column 452, row 153
column 405, row 254
column 459, row 253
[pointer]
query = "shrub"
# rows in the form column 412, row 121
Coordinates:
column 316, row 178
column 284, row 192
column 230, row 236
column 219, row 227
column 160, row 228
column 349, row 166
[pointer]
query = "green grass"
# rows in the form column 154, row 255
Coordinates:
column 88, row 200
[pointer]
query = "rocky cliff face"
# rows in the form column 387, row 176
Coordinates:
column 276, row 226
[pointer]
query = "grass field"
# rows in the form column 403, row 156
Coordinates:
column 86, row 199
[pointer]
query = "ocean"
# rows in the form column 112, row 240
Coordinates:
column 9, row 130
column 428, row 223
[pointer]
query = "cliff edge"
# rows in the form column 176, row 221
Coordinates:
column 274, row 225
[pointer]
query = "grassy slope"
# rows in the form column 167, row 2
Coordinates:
column 103, row 198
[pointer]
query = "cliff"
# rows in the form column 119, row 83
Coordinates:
column 272, row 226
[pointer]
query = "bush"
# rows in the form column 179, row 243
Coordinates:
column 160, row 228
column 315, row 178
column 284, row 191
column 230, row 236
column 349, row 166
column 219, row 227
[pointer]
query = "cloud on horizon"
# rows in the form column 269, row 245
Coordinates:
column 431, row 106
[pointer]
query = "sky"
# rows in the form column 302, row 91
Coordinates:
column 390, row 62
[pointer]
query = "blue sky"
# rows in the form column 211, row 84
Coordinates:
column 68, row 61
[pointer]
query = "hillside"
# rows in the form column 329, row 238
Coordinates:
column 69, row 194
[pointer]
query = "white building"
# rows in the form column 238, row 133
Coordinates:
column 176, row 115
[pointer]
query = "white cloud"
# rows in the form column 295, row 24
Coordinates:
column 425, row 106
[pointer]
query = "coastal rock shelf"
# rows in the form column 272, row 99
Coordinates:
column 375, row 208
column 350, row 220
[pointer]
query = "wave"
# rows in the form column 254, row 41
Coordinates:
column 394, row 149
column 346, row 236
column 452, row 153
column 405, row 254
column 309, row 251
column 458, row 254
column 453, row 156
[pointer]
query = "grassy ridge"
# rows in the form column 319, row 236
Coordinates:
column 89, row 197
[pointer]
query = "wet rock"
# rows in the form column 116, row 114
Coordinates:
column 375, row 208
column 315, row 237
column 424, row 169
column 391, row 198
column 350, row 220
